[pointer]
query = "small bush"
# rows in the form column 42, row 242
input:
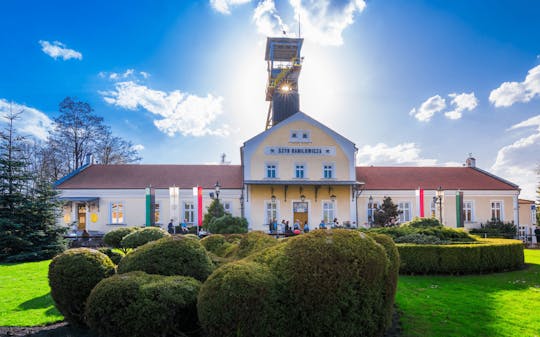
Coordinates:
column 228, row 224
column 233, row 238
column 115, row 256
column 445, row 234
column 254, row 242
column 489, row 255
column 143, row 236
column 418, row 238
column 422, row 223
column 114, row 238
column 169, row 256
column 239, row 299
column 72, row 275
column 496, row 229
column 138, row 304
column 215, row 244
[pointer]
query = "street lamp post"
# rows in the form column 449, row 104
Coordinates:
column 370, row 211
column 438, row 198
column 216, row 190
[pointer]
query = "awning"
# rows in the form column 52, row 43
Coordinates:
column 79, row 199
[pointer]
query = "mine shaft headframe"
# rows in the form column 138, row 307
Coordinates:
column 284, row 63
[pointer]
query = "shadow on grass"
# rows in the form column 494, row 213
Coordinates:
column 41, row 302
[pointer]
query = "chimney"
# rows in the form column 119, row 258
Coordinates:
column 471, row 161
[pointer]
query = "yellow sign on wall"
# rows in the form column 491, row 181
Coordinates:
column 93, row 217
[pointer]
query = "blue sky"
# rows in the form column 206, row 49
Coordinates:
column 410, row 82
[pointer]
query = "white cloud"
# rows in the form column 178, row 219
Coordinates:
column 519, row 161
column 324, row 21
column 509, row 93
column 406, row 154
column 431, row 106
column 130, row 74
column 267, row 20
column 138, row 147
column 57, row 49
column 183, row 113
column 31, row 122
column 461, row 103
column 223, row 6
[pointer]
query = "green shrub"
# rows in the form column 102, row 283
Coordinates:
column 115, row 256
column 138, row 304
column 216, row 244
column 489, row 255
column 228, row 224
column 330, row 284
column 114, row 238
column 445, row 234
column 239, row 299
column 418, row 238
column 422, row 223
column 143, row 236
column 72, row 275
column 254, row 242
column 169, row 256
column 233, row 238
column 496, row 229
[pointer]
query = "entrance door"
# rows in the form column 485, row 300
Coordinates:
column 81, row 216
column 300, row 212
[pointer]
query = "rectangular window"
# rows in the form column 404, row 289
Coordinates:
column 156, row 213
column 300, row 136
column 227, row 207
column 468, row 211
column 405, row 208
column 300, row 170
column 329, row 211
column 271, row 212
column 271, row 170
column 496, row 210
column 371, row 211
column 328, row 171
column 117, row 212
column 189, row 212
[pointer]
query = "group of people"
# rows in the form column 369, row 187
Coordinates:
column 171, row 228
column 297, row 227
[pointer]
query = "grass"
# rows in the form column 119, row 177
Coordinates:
column 25, row 295
column 501, row 304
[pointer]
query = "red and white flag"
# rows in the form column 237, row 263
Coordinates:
column 420, row 202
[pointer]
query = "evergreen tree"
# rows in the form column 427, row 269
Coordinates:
column 386, row 214
column 215, row 210
column 28, row 229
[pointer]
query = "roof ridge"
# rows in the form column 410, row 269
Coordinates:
column 495, row 177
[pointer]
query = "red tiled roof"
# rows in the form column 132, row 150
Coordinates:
column 430, row 178
column 158, row 176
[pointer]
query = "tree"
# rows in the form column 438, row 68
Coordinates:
column 111, row 150
column 215, row 210
column 386, row 214
column 28, row 209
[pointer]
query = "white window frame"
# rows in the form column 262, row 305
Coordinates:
column 299, row 136
column 114, row 221
column 332, row 212
column 267, row 216
column 471, row 202
column 501, row 209
column 191, row 209
column 303, row 170
column 332, row 170
column 266, row 170
column 406, row 212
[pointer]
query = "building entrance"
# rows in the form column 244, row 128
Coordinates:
column 81, row 217
column 300, row 212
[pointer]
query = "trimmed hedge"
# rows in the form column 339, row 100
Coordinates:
column 72, row 275
column 115, row 256
column 331, row 284
column 216, row 244
column 143, row 236
column 169, row 256
column 254, row 242
column 138, row 304
column 488, row 255
column 445, row 234
column 114, row 238
column 239, row 299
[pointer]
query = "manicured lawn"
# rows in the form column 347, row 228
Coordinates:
column 502, row 304
column 24, row 295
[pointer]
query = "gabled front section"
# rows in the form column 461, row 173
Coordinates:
column 299, row 171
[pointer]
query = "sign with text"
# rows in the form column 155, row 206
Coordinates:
column 301, row 150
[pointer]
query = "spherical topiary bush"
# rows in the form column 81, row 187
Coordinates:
column 239, row 299
column 138, row 304
column 143, row 236
column 329, row 284
column 114, row 238
column 72, row 275
column 169, row 256
column 215, row 243
column 254, row 242
column 115, row 256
